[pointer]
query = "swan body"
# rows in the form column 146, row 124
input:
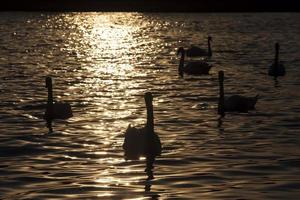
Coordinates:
column 57, row 110
column 197, row 68
column 142, row 141
column 234, row 103
column 239, row 103
column 136, row 140
column 277, row 68
column 195, row 51
column 193, row 67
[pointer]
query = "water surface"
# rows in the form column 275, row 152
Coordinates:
column 103, row 63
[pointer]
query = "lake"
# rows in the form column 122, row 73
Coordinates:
column 103, row 63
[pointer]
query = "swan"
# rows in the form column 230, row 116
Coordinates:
column 55, row 110
column 193, row 67
column 142, row 141
column 195, row 51
column 277, row 68
column 234, row 103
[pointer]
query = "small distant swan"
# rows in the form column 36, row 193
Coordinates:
column 277, row 68
column 235, row 103
column 195, row 51
column 55, row 110
column 193, row 67
column 142, row 141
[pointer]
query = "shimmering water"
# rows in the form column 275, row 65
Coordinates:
column 102, row 63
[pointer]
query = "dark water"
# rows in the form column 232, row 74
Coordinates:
column 102, row 63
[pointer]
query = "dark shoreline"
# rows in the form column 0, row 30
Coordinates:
column 153, row 5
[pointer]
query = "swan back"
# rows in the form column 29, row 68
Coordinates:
column 134, row 143
column 197, row 68
column 195, row 51
column 138, row 142
column 62, row 110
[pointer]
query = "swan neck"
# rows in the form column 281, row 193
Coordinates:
column 150, row 116
column 221, row 105
column 181, row 64
column 276, row 56
column 209, row 49
column 50, row 92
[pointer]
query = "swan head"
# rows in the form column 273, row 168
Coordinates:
column 209, row 38
column 180, row 51
column 48, row 81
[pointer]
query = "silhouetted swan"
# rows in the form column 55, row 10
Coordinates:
column 277, row 68
column 193, row 67
column 235, row 103
column 142, row 141
column 195, row 51
column 55, row 110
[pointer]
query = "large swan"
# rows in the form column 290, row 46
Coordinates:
column 195, row 51
column 55, row 110
column 142, row 141
column 235, row 103
column 193, row 67
column 277, row 68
